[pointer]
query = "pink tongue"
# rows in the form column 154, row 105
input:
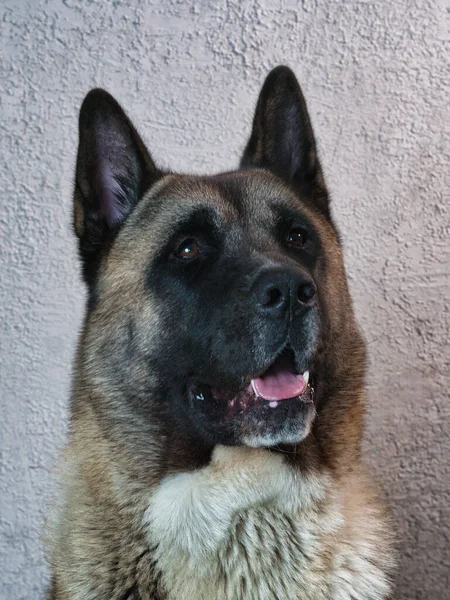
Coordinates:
column 279, row 383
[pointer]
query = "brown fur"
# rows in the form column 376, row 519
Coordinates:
column 148, row 512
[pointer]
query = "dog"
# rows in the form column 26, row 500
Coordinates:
column 218, row 395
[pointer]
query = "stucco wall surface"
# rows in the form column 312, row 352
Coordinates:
column 376, row 76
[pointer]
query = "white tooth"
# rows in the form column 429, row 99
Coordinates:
column 254, row 387
column 273, row 404
column 306, row 377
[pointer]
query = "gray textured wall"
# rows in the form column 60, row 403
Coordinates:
column 376, row 75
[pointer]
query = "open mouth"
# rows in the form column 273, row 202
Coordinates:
column 281, row 382
column 279, row 385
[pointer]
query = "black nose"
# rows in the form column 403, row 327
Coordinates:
column 278, row 291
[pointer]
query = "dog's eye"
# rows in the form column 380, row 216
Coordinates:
column 296, row 237
column 188, row 249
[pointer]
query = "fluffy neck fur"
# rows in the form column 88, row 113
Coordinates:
column 246, row 526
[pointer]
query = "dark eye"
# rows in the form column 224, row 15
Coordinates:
column 296, row 237
column 188, row 249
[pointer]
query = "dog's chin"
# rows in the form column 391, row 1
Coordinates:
column 276, row 408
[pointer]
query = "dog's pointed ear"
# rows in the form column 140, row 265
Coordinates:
column 114, row 169
column 282, row 139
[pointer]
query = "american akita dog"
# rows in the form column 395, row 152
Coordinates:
column 218, row 395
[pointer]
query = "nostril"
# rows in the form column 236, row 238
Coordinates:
column 272, row 297
column 306, row 292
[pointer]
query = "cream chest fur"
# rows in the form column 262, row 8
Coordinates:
column 248, row 527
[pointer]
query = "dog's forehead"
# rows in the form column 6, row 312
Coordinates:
column 252, row 194
column 235, row 197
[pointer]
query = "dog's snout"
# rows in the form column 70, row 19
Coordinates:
column 278, row 291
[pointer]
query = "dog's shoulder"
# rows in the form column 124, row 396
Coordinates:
column 98, row 547
column 248, row 526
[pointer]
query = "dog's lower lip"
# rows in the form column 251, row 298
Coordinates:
column 279, row 383
column 245, row 400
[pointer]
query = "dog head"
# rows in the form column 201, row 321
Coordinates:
column 218, row 306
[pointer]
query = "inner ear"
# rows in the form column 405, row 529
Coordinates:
column 282, row 139
column 114, row 170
